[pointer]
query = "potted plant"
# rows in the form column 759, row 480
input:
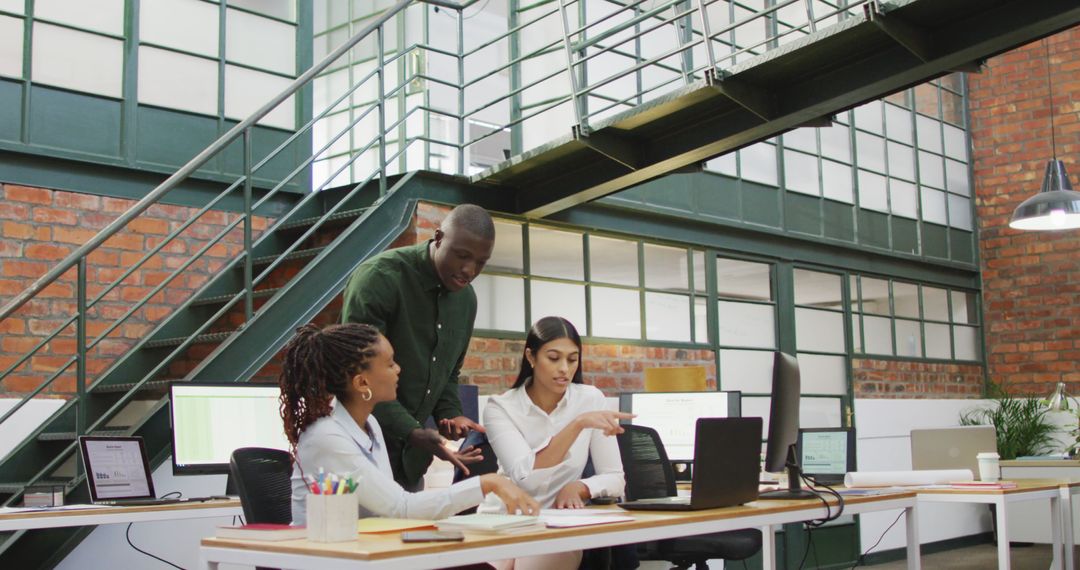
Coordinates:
column 1020, row 421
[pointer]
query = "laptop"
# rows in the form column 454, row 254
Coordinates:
column 117, row 471
column 727, row 462
column 951, row 448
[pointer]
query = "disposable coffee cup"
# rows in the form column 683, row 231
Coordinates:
column 332, row 518
column 989, row 466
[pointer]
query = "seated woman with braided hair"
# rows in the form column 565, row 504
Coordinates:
column 354, row 365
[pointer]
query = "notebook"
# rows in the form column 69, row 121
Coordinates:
column 117, row 471
column 727, row 453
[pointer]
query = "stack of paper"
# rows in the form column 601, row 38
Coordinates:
column 567, row 518
column 491, row 524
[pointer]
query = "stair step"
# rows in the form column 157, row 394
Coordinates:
column 12, row 488
column 70, row 435
column 218, row 299
column 126, row 387
column 200, row 339
column 299, row 254
column 335, row 217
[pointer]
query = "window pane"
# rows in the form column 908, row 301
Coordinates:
column 500, row 303
column 11, row 46
column 556, row 254
column 931, row 170
column 804, row 139
column 665, row 268
column 868, row 117
column 908, row 338
column 836, row 181
column 13, row 6
column 507, row 255
column 905, row 299
column 746, row 370
column 898, row 124
column 929, row 133
column 960, row 212
column 725, row 164
column 745, row 324
column 901, row 161
column 956, row 177
column 938, row 343
column 178, row 81
column 613, row 261
column 818, row 289
column 616, row 313
column 821, row 374
column 260, row 42
column 878, row 335
column 875, row 296
column 820, row 331
column 967, row 343
column 701, row 320
column 667, row 317
column 284, row 9
column 743, row 279
column 856, row 334
column 189, row 25
column 836, row 143
column 77, row 60
column 933, row 206
column 100, row 15
column 246, row 91
column 955, row 143
column 963, row 308
column 699, row 271
column 926, row 99
column 952, row 108
column 903, row 199
column 758, row 163
column 935, row 304
column 872, row 193
column 870, row 152
column 566, row 300
column 801, row 172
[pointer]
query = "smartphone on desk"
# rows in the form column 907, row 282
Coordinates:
column 432, row 536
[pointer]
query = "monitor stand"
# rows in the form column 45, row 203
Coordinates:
column 794, row 490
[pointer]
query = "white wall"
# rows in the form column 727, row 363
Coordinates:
column 883, row 443
column 18, row 426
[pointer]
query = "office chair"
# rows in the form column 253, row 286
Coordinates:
column 262, row 477
column 676, row 379
column 649, row 475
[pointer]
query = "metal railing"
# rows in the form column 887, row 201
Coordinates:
column 614, row 55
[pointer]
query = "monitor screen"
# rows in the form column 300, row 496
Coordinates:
column 674, row 415
column 209, row 421
column 826, row 451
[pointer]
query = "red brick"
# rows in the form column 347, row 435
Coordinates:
column 26, row 194
column 47, row 252
column 55, row 216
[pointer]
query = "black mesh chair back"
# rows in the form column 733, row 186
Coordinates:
column 261, row 477
column 490, row 463
column 645, row 463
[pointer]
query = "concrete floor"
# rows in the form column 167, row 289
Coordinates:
column 981, row 557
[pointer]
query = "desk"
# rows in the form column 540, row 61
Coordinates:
column 388, row 552
column 1030, row 523
column 1026, row 490
column 118, row 515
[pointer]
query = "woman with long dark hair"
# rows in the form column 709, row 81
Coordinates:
column 545, row 428
column 353, row 364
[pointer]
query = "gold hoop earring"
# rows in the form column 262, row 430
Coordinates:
column 367, row 397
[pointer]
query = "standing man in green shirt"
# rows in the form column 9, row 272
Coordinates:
column 421, row 299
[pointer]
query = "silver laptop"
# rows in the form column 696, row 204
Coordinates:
column 117, row 471
column 951, row 448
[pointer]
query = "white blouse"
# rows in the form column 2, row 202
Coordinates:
column 338, row 445
column 518, row 430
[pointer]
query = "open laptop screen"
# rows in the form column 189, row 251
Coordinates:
column 674, row 415
column 827, row 453
column 116, row 468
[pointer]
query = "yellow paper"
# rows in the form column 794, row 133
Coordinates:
column 379, row 524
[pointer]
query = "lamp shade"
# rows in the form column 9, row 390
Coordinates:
column 1056, row 207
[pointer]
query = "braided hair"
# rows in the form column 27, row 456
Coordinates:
column 318, row 365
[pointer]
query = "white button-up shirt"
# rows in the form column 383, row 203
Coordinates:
column 518, row 429
column 338, row 445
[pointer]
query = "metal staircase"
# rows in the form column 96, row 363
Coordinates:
column 702, row 94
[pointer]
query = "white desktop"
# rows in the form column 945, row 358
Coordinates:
column 674, row 415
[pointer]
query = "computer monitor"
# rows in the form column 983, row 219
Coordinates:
column 209, row 421
column 674, row 415
column 827, row 454
column 784, row 428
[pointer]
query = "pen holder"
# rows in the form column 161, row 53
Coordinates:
column 332, row 518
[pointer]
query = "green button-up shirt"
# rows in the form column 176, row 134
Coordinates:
column 429, row 327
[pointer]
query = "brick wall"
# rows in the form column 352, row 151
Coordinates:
column 911, row 379
column 1031, row 280
column 39, row 227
